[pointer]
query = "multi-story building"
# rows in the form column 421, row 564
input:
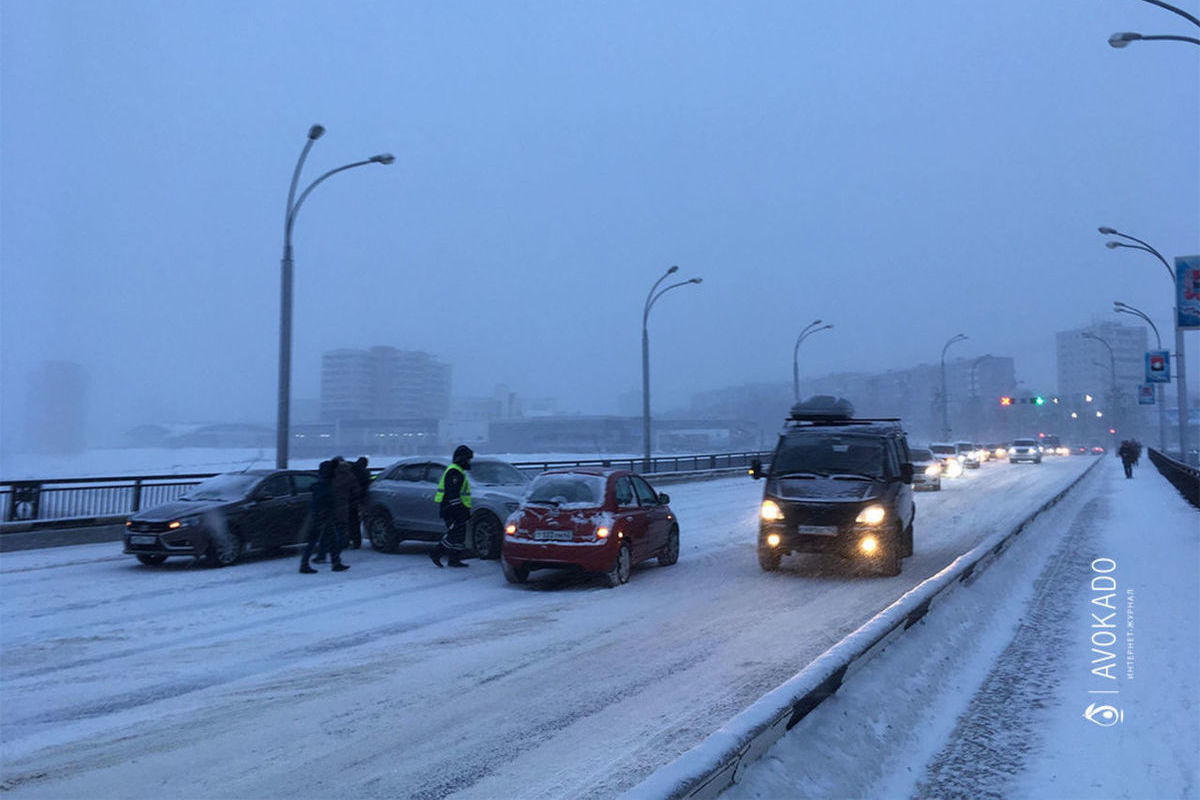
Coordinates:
column 1086, row 368
column 383, row 383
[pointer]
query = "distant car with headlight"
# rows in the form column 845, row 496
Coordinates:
column 968, row 454
column 1024, row 450
column 837, row 485
column 927, row 470
column 952, row 466
column 600, row 520
column 999, row 451
column 223, row 517
column 400, row 503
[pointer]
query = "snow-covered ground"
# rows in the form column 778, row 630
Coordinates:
column 1095, row 605
column 396, row 679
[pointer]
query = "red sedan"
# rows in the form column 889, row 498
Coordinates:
column 600, row 520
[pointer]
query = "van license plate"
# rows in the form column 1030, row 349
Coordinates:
column 817, row 530
column 553, row 536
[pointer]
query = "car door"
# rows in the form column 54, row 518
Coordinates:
column 427, row 515
column 267, row 511
column 302, row 486
column 658, row 521
column 631, row 518
column 405, row 496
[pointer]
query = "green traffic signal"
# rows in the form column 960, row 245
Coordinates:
column 1039, row 401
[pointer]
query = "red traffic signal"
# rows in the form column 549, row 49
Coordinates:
column 1006, row 401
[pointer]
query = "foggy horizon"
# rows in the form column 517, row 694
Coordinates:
column 905, row 174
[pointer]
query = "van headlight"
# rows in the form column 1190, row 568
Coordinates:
column 771, row 512
column 933, row 470
column 871, row 515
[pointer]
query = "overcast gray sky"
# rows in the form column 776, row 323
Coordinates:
column 904, row 170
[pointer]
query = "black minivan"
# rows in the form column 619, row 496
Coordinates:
column 837, row 485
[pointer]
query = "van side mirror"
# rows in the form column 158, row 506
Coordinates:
column 906, row 472
column 663, row 498
column 756, row 469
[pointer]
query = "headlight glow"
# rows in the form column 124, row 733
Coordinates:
column 602, row 533
column 771, row 512
column 869, row 544
column 954, row 468
column 773, row 540
column 1001, row 452
column 871, row 515
column 175, row 524
column 511, row 530
column 933, row 470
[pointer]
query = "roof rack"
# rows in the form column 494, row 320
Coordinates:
column 840, row 423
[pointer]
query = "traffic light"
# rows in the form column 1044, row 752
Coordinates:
column 1039, row 401
column 1006, row 401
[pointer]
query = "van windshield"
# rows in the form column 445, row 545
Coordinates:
column 829, row 454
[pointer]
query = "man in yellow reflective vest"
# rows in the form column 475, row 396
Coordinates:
column 454, row 498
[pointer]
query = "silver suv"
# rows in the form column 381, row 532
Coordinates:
column 1024, row 450
column 400, row 503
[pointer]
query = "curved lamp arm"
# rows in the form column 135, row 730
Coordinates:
column 384, row 158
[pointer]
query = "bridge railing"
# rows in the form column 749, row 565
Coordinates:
column 53, row 499
column 1184, row 478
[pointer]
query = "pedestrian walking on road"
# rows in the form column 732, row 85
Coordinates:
column 454, row 499
column 1128, row 453
column 321, row 523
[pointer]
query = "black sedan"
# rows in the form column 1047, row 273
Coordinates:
column 223, row 517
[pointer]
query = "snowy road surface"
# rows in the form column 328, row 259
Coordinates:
column 396, row 679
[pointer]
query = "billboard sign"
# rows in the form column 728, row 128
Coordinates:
column 1158, row 366
column 1145, row 394
column 1187, row 294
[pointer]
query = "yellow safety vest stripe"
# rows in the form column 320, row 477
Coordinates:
column 465, row 494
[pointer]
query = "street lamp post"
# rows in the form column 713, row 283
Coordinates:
column 1114, row 402
column 1125, row 308
column 283, row 420
column 1119, row 40
column 1180, row 376
column 651, row 299
column 809, row 330
column 958, row 337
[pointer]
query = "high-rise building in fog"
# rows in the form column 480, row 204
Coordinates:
column 1084, row 366
column 57, row 408
column 383, row 383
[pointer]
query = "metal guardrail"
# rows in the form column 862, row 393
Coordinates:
column 719, row 761
column 65, row 499
column 1184, row 478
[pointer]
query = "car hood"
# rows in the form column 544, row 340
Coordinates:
column 179, row 508
column 500, row 493
column 826, row 490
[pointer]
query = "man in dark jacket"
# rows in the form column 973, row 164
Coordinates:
column 345, row 487
column 362, row 484
column 1129, row 455
column 321, row 525
column 454, row 499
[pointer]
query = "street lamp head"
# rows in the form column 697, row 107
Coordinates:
column 1118, row 304
column 1107, row 231
column 674, row 268
column 316, row 132
column 696, row 280
column 383, row 158
column 1112, row 245
column 1122, row 39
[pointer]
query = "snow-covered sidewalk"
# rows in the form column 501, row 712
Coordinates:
column 1069, row 669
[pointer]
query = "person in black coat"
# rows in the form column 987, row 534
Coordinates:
column 1129, row 456
column 358, row 502
column 321, row 521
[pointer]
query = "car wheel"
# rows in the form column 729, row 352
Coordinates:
column 381, row 532
column 619, row 572
column 670, row 551
column 224, row 548
column 514, row 574
column 151, row 560
column 485, row 536
column 908, row 540
column 768, row 558
column 889, row 559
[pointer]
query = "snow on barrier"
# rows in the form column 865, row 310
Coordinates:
column 719, row 761
column 1184, row 478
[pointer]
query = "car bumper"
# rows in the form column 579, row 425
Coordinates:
column 176, row 543
column 846, row 542
column 589, row 556
column 922, row 482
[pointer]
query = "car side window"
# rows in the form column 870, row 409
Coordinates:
column 433, row 472
column 276, row 486
column 411, row 473
column 303, row 483
column 624, row 492
column 646, row 495
column 890, row 464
